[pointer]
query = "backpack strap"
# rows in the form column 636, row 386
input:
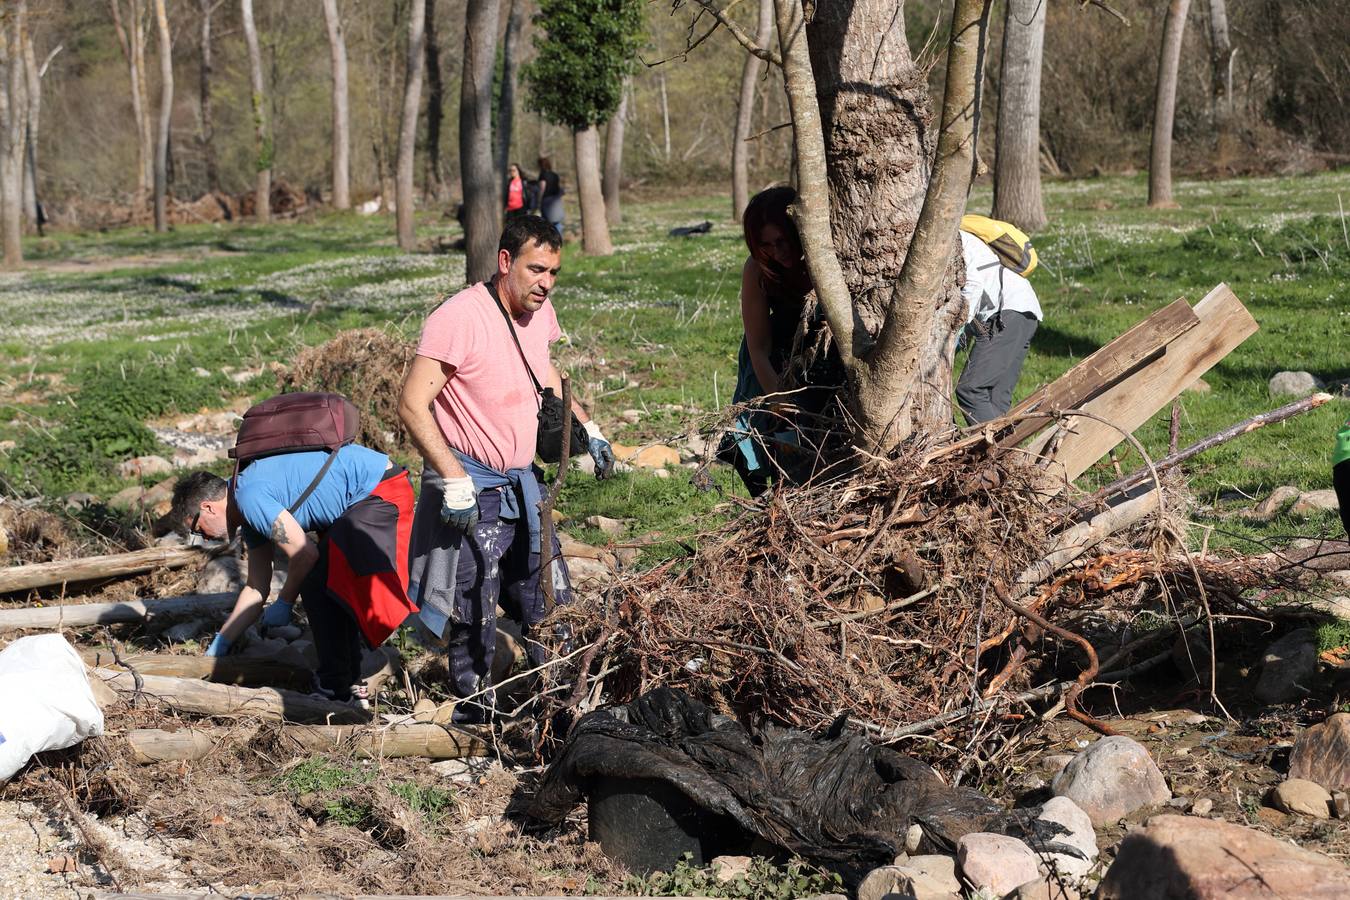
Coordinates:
column 323, row 470
column 492, row 289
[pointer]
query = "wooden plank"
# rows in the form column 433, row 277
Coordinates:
column 249, row 671
column 76, row 615
column 1224, row 324
column 1105, row 367
column 406, row 739
column 95, row 568
column 209, row 699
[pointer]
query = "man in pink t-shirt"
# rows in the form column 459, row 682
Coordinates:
column 471, row 407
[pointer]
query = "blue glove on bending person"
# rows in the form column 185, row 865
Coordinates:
column 277, row 614
column 601, row 452
column 219, row 646
column 459, row 503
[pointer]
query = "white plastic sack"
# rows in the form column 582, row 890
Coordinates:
column 45, row 700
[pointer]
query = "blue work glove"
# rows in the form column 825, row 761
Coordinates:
column 601, row 452
column 220, row 645
column 459, row 503
column 277, row 614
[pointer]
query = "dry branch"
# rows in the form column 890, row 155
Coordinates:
column 205, row 698
column 95, row 568
column 77, row 615
column 248, row 671
column 426, row 740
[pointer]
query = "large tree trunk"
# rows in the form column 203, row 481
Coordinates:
column 1017, row 164
column 407, row 135
column 262, row 138
column 342, row 139
column 434, row 183
column 13, row 112
column 613, row 174
column 1221, row 78
column 506, row 101
column 165, row 115
column 745, row 114
column 1165, row 106
column 482, row 196
column 208, row 134
column 130, row 42
column 594, row 227
column 34, row 114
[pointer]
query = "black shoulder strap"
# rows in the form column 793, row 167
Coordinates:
column 323, row 470
column 492, row 289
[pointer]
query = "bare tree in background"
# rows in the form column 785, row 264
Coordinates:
column 208, row 125
column 1017, row 143
column 1165, row 106
column 1221, row 78
column 745, row 114
column 131, row 36
column 482, row 196
column 33, row 79
column 407, row 135
column 13, row 113
column 434, row 183
column 262, row 135
column 506, row 100
column 612, row 177
column 595, row 239
column 165, row 115
column 342, row 139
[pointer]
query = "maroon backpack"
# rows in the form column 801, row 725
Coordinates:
column 292, row 423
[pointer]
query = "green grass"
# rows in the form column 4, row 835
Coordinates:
column 105, row 329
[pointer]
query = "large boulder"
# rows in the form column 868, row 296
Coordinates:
column 1074, row 830
column 1312, row 502
column 1111, row 779
column 996, row 861
column 1205, row 859
column 1295, row 384
column 1322, row 754
column 1288, row 667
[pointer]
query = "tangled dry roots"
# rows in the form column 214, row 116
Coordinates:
column 367, row 365
column 32, row 535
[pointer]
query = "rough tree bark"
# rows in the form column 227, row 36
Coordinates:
column 262, row 138
column 342, row 140
column 132, row 39
column 594, row 226
column 878, row 222
column 1017, row 168
column 33, row 78
column 407, row 135
column 1165, row 106
column 506, row 100
column 482, row 206
column 745, row 114
column 165, row 114
column 433, row 184
column 13, row 112
column 613, row 174
column 208, row 125
column 1221, row 77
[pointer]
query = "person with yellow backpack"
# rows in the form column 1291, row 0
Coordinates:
column 1003, row 313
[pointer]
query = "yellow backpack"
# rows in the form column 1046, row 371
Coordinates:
column 1009, row 243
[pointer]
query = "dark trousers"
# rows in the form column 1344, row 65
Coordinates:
column 1340, row 480
column 1000, row 347
column 337, row 639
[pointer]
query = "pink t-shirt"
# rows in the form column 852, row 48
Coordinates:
column 489, row 408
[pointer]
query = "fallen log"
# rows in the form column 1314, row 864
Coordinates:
column 1074, row 542
column 205, row 698
column 96, row 568
column 76, row 615
column 249, row 671
column 415, row 739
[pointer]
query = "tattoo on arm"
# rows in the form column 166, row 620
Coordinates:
column 279, row 532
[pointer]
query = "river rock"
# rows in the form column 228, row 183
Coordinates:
column 1077, row 833
column 285, row 632
column 588, row 573
column 729, row 868
column 1312, row 502
column 1301, row 797
column 885, row 883
column 222, row 575
column 1341, row 577
column 1297, row 384
column 141, row 466
column 932, row 877
column 996, row 861
column 1209, row 859
column 1045, row 889
column 1321, row 754
column 1112, row 778
column 1288, row 667
column 653, row 456
column 184, row 631
column 1279, row 498
column 611, row 527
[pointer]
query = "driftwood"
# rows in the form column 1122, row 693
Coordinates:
column 250, row 671
column 426, row 740
column 1076, row 541
column 95, row 568
column 205, row 698
column 76, row 615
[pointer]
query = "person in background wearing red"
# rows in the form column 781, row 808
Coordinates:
column 516, row 202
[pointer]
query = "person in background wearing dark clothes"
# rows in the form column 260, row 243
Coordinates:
column 550, row 194
column 1340, row 474
column 515, row 192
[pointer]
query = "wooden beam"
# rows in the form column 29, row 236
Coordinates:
column 250, row 671
column 1128, row 404
column 1106, row 366
column 205, row 698
column 76, row 615
column 96, row 568
column 415, row 739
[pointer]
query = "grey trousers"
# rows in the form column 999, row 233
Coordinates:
column 985, row 389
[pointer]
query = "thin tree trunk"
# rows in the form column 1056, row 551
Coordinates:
column 665, row 114
column 407, row 135
column 342, row 139
column 594, row 228
column 482, row 206
column 1221, row 77
column 165, row 115
column 745, row 114
column 506, row 101
column 614, row 159
column 1165, row 106
column 262, row 138
column 137, row 93
column 1017, row 169
column 34, row 113
column 434, row 183
column 139, row 13
column 208, row 134
column 13, row 112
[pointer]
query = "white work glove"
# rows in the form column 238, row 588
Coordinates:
column 459, row 503
column 601, row 452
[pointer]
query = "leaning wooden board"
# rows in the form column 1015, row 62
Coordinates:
column 1224, row 324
